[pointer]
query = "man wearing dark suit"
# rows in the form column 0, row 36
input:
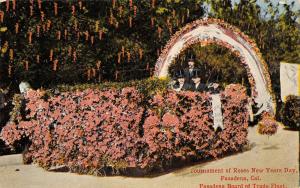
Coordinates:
column 189, row 71
column 197, row 85
column 181, row 84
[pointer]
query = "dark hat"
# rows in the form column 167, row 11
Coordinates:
column 196, row 74
column 191, row 58
column 180, row 74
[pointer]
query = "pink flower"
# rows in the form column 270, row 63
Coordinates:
column 170, row 120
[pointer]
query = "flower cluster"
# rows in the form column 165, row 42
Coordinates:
column 268, row 125
column 94, row 130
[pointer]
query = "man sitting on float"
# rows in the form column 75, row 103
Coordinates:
column 189, row 71
column 189, row 79
column 200, row 87
column 181, row 82
column 197, row 85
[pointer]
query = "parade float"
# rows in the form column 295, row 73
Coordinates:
column 121, row 130
column 140, row 128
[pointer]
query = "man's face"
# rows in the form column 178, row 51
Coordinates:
column 191, row 64
column 181, row 80
column 196, row 80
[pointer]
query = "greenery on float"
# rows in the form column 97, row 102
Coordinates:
column 147, row 86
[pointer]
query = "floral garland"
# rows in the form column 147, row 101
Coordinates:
column 224, row 26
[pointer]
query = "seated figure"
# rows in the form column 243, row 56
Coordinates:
column 212, row 88
column 181, row 83
column 197, row 85
column 189, row 71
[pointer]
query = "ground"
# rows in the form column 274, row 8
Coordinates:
column 279, row 153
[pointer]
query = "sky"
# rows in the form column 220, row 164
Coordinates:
column 275, row 2
column 263, row 5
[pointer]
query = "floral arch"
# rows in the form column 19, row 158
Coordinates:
column 207, row 31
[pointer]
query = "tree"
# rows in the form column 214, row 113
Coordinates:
column 77, row 41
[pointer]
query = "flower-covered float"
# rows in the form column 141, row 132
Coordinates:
column 145, row 129
column 123, row 130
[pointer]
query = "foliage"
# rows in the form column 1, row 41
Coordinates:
column 4, row 117
column 152, row 24
column 146, row 86
column 290, row 112
column 215, row 64
column 17, row 107
column 276, row 34
column 122, row 130
column 98, row 41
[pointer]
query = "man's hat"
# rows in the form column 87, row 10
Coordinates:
column 196, row 74
column 191, row 59
column 180, row 74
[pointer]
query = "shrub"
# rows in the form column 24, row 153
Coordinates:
column 290, row 113
column 94, row 130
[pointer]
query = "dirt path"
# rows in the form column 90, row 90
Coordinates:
column 278, row 152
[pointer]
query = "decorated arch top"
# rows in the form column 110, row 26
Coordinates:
column 208, row 31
